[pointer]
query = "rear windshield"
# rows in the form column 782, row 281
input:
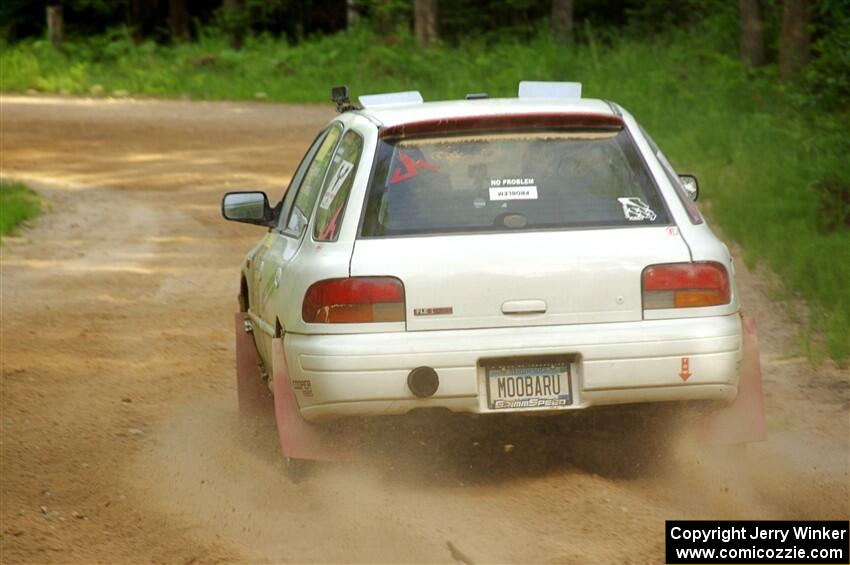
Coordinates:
column 510, row 181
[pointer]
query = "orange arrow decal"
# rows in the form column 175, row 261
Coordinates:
column 685, row 373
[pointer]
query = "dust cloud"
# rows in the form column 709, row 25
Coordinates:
column 442, row 487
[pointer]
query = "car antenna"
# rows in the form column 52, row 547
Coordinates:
column 339, row 95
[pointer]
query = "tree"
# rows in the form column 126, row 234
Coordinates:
column 752, row 33
column 55, row 26
column 425, row 22
column 352, row 13
column 140, row 15
column 794, row 38
column 234, row 22
column 178, row 20
column 561, row 20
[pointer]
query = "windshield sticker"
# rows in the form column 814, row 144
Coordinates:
column 636, row 210
column 342, row 173
column 520, row 188
column 411, row 168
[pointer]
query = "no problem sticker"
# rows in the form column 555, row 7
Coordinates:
column 513, row 188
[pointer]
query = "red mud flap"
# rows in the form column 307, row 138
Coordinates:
column 743, row 421
column 299, row 439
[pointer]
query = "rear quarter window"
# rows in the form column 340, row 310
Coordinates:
column 673, row 177
column 337, row 185
column 510, row 181
column 312, row 182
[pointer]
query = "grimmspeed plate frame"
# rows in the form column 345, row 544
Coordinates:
column 528, row 383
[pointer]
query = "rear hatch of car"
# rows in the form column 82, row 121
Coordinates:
column 518, row 225
column 520, row 279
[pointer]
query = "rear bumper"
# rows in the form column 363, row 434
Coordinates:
column 615, row 363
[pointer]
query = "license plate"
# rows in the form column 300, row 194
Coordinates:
column 529, row 385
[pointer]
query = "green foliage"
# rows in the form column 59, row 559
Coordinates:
column 17, row 204
column 26, row 18
column 773, row 167
column 385, row 16
column 653, row 16
column 827, row 78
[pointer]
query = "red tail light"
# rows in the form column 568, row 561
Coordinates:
column 354, row 300
column 685, row 285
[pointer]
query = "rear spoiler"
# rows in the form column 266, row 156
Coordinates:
column 502, row 122
column 548, row 89
column 526, row 89
column 390, row 99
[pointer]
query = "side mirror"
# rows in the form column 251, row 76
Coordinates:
column 691, row 186
column 247, row 207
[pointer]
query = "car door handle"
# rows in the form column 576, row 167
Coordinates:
column 524, row 307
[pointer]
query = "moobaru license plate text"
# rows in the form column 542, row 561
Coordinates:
column 543, row 386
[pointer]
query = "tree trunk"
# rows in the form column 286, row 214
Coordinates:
column 134, row 19
column 234, row 22
column 178, row 20
column 381, row 14
column 141, row 17
column 425, row 22
column 561, row 20
column 752, row 33
column 351, row 13
column 794, row 38
column 55, row 26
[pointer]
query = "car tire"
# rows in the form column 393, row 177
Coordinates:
column 253, row 396
column 297, row 470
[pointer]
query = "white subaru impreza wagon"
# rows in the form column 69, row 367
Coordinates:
column 487, row 256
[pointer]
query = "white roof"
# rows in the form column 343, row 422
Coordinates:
column 406, row 113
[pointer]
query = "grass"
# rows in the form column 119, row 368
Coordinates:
column 17, row 204
column 772, row 168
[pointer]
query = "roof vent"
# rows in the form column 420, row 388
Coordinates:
column 544, row 89
column 391, row 99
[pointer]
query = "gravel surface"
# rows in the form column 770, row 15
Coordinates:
column 120, row 438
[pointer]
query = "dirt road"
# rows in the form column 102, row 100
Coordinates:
column 120, row 438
